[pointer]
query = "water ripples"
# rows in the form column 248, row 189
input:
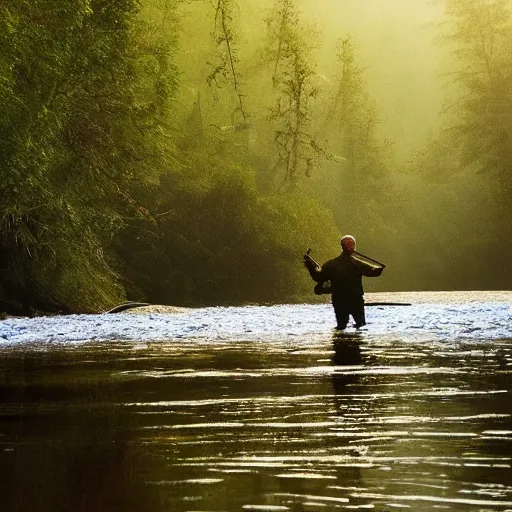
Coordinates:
column 264, row 409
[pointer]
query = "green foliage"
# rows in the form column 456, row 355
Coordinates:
column 224, row 33
column 218, row 240
column 480, row 125
column 352, row 120
column 355, row 181
column 74, row 123
column 290, row 50
column 111, row 186
column 465, row 170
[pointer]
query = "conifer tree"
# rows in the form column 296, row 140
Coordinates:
column 480, row 122
column 290, row 52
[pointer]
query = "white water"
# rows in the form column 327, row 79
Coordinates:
column 432, row 316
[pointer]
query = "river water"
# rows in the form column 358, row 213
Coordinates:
column 262, row 408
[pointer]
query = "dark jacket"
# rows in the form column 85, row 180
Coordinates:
column 345, row 274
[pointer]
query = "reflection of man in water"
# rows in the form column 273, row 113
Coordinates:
column 347, row 352
column 345, row 274
column 347, row 349
column 347, row 390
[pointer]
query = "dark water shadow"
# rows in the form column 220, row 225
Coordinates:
column 64, row 443
column 347, row 360
column 347, row 348
column 347, row 354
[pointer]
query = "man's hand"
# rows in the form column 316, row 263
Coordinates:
column 320, row 289
column 310, row 265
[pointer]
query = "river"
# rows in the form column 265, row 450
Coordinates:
column 262, row 408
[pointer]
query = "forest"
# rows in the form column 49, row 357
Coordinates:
column 188, row 152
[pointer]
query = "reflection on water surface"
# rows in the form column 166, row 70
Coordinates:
column 300, row 418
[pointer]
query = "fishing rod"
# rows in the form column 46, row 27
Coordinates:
column 320, row 289
column 357, row 253
column 307, row 257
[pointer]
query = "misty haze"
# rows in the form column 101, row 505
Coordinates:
column 255, row 255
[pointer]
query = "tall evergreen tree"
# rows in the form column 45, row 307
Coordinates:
column 289, row 50
column 481, row 115
column 358, row 167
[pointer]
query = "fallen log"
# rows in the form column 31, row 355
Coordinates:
column 126, row 305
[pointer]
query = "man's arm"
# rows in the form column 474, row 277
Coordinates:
column 315, row 271
column 369, row 267
column 318, row 275
column 372, row 271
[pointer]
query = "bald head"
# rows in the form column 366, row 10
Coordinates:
column 348, row 244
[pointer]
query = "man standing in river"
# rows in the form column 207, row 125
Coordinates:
column 345, row 272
